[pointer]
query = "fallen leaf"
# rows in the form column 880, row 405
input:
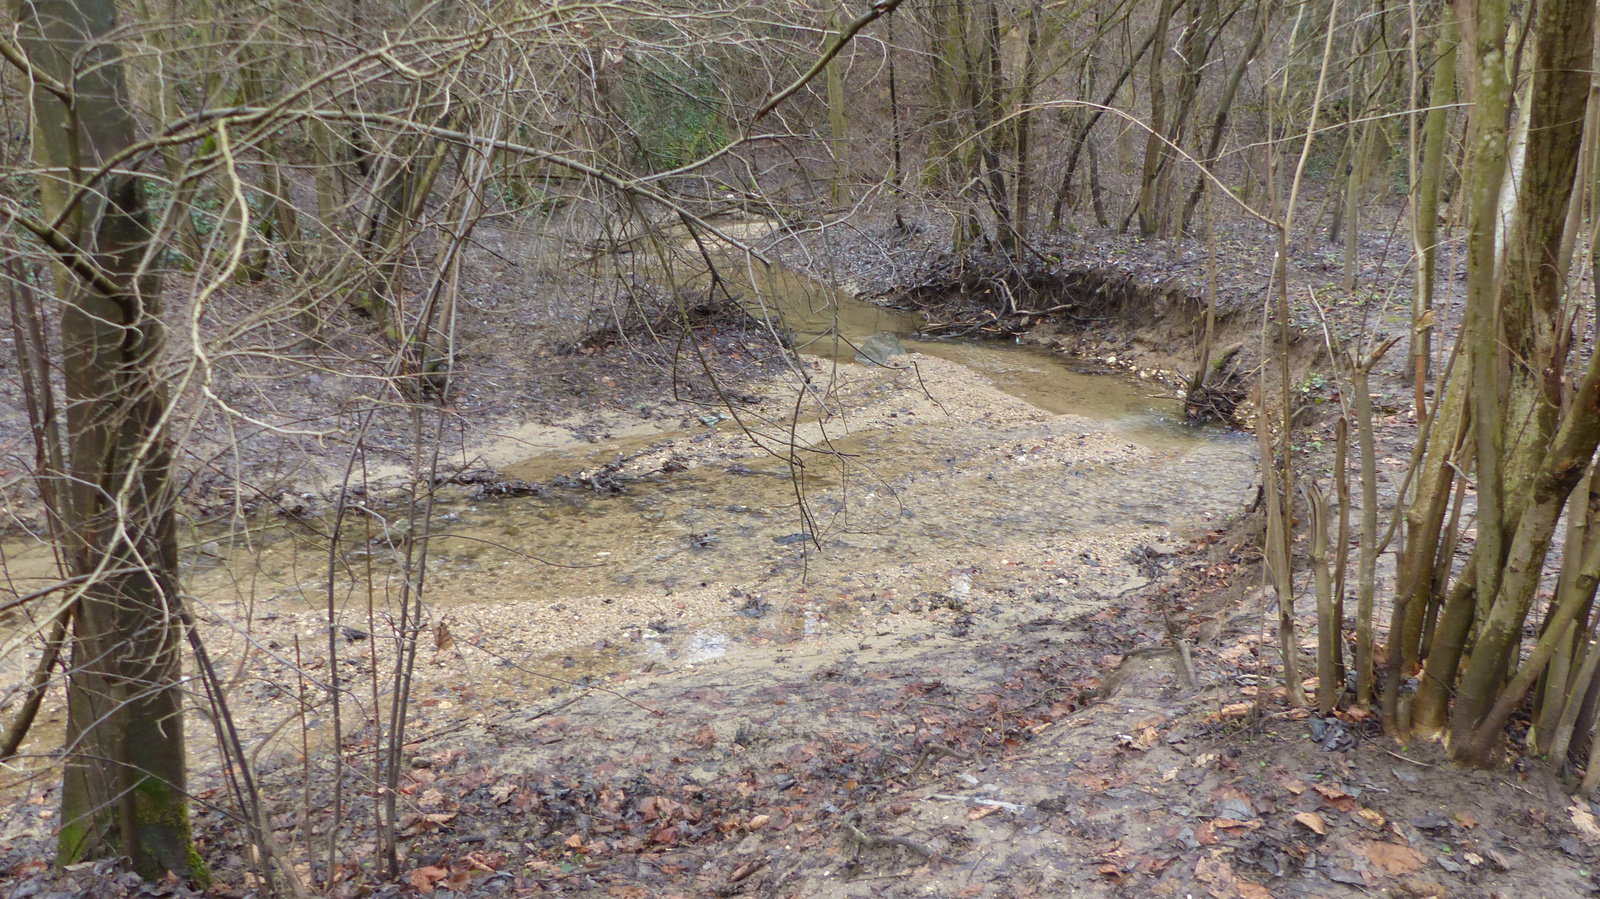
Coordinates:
column 1252, row 890
column 1394, row 859
column 759, row 821
column 1312, row 821
column 502, row 792
column 1372, row 818
column 707, row 737
column 1584, row 821
column 1294, row 786
column 1465, row 819
column 1235, row 710
column 423, row 879
column 1235, row 827
column 575, row 842
column 1336, row 798
column 982, row 811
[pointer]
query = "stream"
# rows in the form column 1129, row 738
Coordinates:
column 910, row 480
column 910, row 475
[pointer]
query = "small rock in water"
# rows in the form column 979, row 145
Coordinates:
column 877, row 349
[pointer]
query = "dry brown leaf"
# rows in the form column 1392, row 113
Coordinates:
column 423, row 879
column 1465, row 819
column 707, row 737
column 1233, row 825
column 1394, row 859
column 759, row 821
column 1336, row 798
column 1312, row 821
column 502, row 792
column 1251, row 890
column 1294, row 786
column 1235, row 710
column 1371, row 817
column 1584, row 821
column 982, row 811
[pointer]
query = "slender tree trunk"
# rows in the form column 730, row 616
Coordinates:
column 1030, row 72
column 837, row 120
column 1219, row 122
column 894, row 109
column 1425, row 212
column 1154, row 148
column 1080, row 138
column 1491, row 96
column 1367, row 560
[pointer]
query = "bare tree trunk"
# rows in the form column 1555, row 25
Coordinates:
column 124, row 792
column 1154, row 148
column 1425, row 211
column 1534, row 282
column 987, row 112
column 1219, row 122
column 1367, row 560
column 1082, row 136
column 1328, row 683
column 1030, row 73
column 1530, row 324
column 837, row 121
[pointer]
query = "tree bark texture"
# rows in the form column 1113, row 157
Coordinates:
column 124, row 792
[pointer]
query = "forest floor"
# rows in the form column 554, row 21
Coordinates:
column 1018, row 725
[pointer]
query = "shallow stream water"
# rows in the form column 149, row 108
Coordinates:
column 899, row 482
